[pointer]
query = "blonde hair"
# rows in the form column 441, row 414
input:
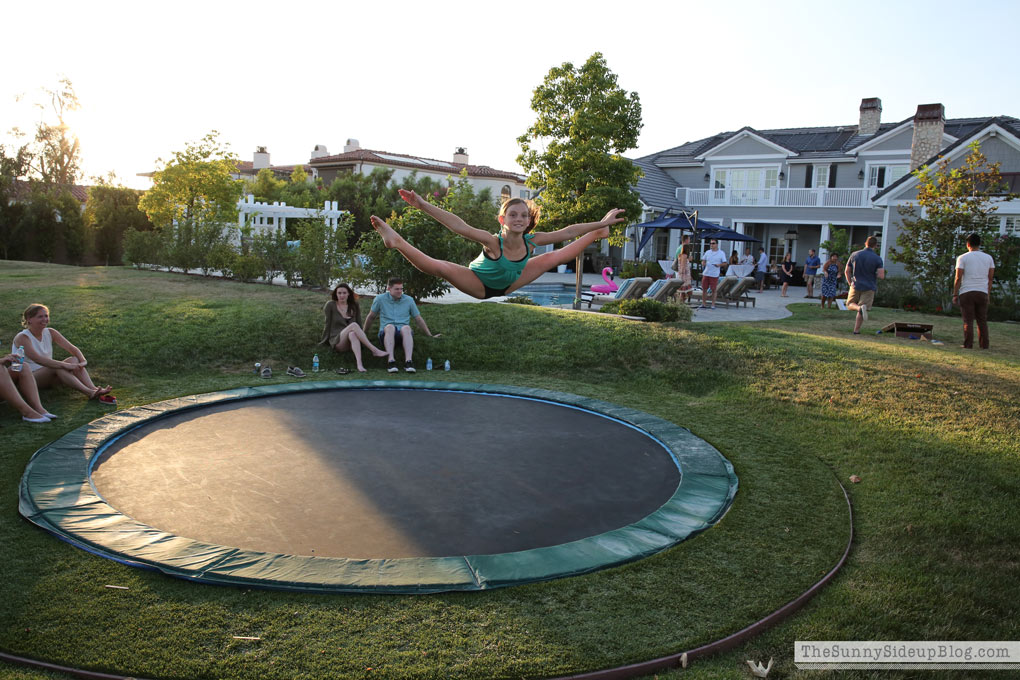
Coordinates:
column 532, row 207
column 31, row 311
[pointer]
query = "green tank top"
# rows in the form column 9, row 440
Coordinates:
column 501, row 273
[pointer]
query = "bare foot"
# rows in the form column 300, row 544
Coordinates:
column 379, row 352
column 390, row 238
column 361, row 369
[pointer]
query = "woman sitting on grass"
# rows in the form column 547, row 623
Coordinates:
column 343, row 329
column 38, row 339
column 18, row 389
column 506, row 262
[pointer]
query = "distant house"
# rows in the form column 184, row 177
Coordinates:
column 21, row 190
column 787, row 187
column 501, row 183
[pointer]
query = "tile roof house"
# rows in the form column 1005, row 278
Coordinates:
column 787, row 187
column 501, row 183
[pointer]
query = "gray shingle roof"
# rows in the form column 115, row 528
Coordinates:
column 658, row 189
column 966, row 129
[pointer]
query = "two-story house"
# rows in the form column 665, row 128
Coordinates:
column 789, row 187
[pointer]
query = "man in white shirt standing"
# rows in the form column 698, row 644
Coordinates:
column 762, row 269
column 711, row 263
column 972, row 290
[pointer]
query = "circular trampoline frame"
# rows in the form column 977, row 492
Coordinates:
column 57, row 494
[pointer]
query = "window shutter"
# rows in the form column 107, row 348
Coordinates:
column 807, row 176
column 832, row 175
column 881, row 177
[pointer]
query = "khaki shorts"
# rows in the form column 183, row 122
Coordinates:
column 860, row 297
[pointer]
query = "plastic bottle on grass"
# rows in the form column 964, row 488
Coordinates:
column 428, row 364
column 446, row 365
column 315, row 364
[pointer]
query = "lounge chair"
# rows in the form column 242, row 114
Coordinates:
column 663, row 289
column 630, row 289
column 725, row 285
column 738, row 293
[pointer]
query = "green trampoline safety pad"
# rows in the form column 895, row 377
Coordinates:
column 377, row 486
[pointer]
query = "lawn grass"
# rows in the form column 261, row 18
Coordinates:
column 794, row 404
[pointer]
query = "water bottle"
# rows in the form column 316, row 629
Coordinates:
column 446, row 365
column 428, row 364
column 258, row 367
column 315, row 364
column 20, row 354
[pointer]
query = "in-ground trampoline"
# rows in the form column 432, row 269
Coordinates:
column 390, row 486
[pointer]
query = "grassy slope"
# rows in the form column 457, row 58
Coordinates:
column 931, row 430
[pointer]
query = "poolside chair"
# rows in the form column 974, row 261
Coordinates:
column 663, row 289
column 630, row 289
column 738, row 293
column 725, row 285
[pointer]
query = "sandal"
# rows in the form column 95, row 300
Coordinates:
column 342, row 371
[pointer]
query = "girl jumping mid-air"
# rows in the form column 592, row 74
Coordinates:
column 506, row 262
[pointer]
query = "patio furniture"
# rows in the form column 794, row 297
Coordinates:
column 738, row 293
column 663, row 289
column 630, row 289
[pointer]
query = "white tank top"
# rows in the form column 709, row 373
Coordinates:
column 43, row 347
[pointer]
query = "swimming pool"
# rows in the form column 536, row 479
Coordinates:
column 548, row 294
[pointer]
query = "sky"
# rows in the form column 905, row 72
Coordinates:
column 424, row 78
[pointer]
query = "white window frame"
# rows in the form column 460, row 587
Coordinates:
column 820, row 172
column 873, row 169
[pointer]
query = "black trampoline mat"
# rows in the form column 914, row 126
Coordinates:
column 386, row 474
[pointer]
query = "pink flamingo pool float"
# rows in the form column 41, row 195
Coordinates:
column 609, row 287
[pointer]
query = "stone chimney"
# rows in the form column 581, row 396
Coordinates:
column 460, row 155
column 319, row 151
column 261, row 158
column 929, row 126
column 351, row 145
column 871, row 116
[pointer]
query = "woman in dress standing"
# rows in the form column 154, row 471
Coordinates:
column 786, row 272
column 831, row 280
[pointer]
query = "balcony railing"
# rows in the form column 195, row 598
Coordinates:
column 777, row 197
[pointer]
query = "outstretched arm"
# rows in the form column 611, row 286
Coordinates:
column 450, row 221
column 425, row 327
column 544, row 238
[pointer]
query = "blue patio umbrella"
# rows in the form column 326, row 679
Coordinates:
column 723, row 234
column 684, row 221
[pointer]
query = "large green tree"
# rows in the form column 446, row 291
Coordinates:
column 56, row 155
column 193, row 202
column 109, row 212
column 572, row 152
column 195, row 185
column 951, row 203
column 13, row 166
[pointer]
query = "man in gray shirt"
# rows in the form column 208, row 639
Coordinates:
column 862, row 272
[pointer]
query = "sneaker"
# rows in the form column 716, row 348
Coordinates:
column 266, row 372
column 391, row 367
column 864, row 312
column 43, row 419
column 295, row 371
column 51, row 416
column 107, row 399
column 409, row 367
